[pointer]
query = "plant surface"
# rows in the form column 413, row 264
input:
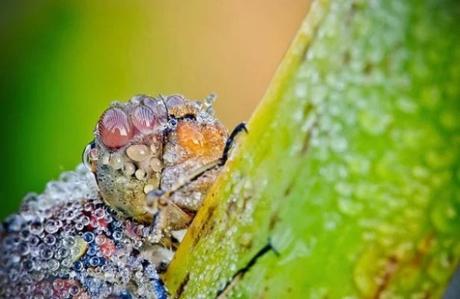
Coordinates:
column 350, row 170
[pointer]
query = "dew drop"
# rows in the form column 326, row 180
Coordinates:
column 143, row 119
column 116, row 161
column 140, row 174
column 88, row 237
column 36, row 228
column 175, row 100
column 148, row 188
column 129, row 169
column 49, row 240
column 114, row 128
column 445, row 216
column 156, row 164
column 374, row 123
column 348, row 206
column 138, row 152
column 51, row 226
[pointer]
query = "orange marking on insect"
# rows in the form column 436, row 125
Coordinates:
column 199, row 140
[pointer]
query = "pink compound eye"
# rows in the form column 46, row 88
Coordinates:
column 114, row 128
column 143, row 119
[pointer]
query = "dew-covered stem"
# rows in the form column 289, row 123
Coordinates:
column 351, row 168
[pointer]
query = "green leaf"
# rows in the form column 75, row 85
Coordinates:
column 351, row 168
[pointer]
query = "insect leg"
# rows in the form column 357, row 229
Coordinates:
column 231, row 140
column 166, row 212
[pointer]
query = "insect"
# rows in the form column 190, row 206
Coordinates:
column 109, row 229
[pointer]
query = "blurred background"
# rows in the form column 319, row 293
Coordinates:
column 63, row 62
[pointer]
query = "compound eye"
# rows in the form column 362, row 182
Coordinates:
column 143, row 119
column 159, row 110
column 175, row 100
column 114, row 128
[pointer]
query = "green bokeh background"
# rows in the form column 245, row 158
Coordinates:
column 63, row 62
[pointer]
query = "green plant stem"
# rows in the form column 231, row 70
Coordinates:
column 351, row 167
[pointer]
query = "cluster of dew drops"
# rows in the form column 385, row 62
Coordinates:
column 66, row 243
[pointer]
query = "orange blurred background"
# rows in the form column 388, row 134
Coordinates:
column 63, row 62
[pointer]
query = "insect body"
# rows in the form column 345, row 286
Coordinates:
column 154, row 159
column 108, row 231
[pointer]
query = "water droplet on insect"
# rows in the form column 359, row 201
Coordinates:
column 138, row 152
column 129, row 169
column 143, row 119
column 116, row 161
column 156, row 164
column 175, row 100
column 148, row 188
column 114, row 128
column 89, row 155
column 140, row 174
